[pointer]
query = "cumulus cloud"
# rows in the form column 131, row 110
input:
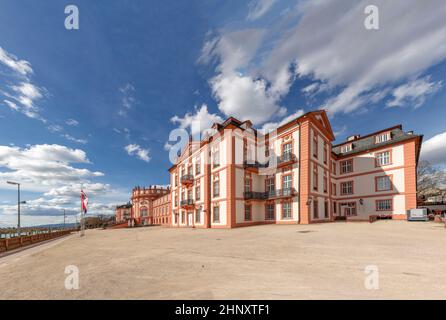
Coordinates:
column 40, row 167
column 197, row 122
column 136, row 150
column 434, row 149
column 258, row 8
column 267, row 127
column 326, row 42
column 326, row 46
column 414, row 92
column 238, row 90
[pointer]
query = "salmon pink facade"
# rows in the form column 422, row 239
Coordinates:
column 238, row 176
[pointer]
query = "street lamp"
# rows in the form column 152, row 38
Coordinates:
column 18, row 204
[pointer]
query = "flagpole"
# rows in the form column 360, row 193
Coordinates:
column 82, row 217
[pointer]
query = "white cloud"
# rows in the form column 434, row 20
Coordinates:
column 326, row 46
column 197, row 122
column 136, row 150
column 72, row 122
column 55, row 128
column 40, row 167
column 238, row 90
column 23, row 67
column 267, row 127
column 21, row 94
column 414, row 92
column 434, row 149
column 127, row 99
column 73, row 139
column 257, row 8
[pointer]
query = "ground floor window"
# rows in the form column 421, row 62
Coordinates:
column 269, row 211
column 326, row 215
column 334, row 207
column 216, row 214
column 183, row 218
column 316, row 209
column 248, row 216
column 176, row 217
column 347, row 209
column 198, row 216
column 384, row 205
column 286, row 210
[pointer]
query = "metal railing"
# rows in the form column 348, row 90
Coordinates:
column 287, row 157
column 187, row 202
column 187, row 178
column 253, row 195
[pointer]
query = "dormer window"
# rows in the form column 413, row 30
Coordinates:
column 382, row 137
column 346, row 148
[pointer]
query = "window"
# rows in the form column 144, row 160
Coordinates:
column 333, row 188
column 325, row 152
column 216, row 214
column 334, row 207
column 383, row 137
column 269, row 211
column 182, row 218
column 197, row 192
column 198, row 216
column 383, row 158
column 286, row 210
column 270, row 186
column 176, row 180
column 176, row 201
column 333, row 167
column 315, row 144
column 216, row 188
column 287, row 182
column 267, row 150
column 198, row 166
column 325, row 182
column 247, row 184
column 384, row 205
column 326, row 209
column 383, row 183
column 315, row 177
column 144, row 212
column 216, row 158
column 189, row 194
column 176, row 218
column 189, row 169
column 248, row 212
column 346, row 187
column 245, row 150
column 346, row 166
column 316, row 209
column 287, row 149
column 346, row 148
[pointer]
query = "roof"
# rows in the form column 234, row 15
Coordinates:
column 367, row 142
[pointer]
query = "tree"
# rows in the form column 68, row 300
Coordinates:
column 430, row 180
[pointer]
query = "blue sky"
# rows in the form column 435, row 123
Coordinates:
column 95, row 106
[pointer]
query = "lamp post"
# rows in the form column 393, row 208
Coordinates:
column 18, row 204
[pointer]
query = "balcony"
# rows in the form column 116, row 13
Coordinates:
column 282, row 193
column 187, row 203
column 250, row 195
column 187, row 179
column 254, row 164
column 272, row 194
column 286, row 159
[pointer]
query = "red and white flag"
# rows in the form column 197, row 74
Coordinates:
column 84, row 201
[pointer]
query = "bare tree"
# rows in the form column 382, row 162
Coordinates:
column 430, row 180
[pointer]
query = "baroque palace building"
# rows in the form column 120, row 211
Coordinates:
column 239, row 177
column 149, row 206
